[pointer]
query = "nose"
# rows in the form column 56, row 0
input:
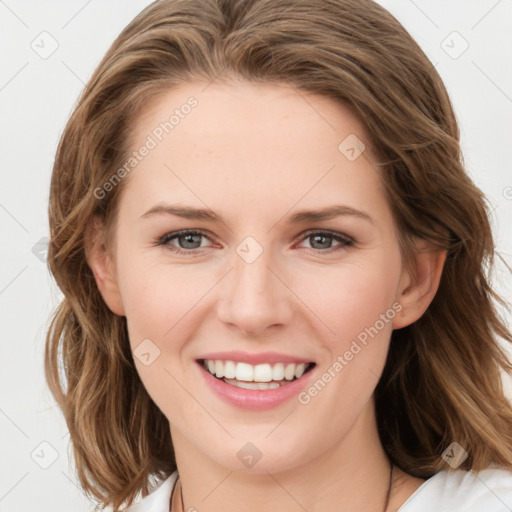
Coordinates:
column 255, row 296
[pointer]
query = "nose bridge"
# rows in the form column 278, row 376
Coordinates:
column 255, row 298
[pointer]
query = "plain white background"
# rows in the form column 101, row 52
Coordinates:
column 470, row 43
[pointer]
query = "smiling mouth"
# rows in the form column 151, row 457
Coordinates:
column 257, row 377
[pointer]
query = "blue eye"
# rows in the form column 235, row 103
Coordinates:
column 321, row 236
column 188, row 237
column 190, row 240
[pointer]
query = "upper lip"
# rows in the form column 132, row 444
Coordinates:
column 259, row 358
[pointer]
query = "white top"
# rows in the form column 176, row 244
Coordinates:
column 489, row 490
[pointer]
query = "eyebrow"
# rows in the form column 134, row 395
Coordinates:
column 207, row 215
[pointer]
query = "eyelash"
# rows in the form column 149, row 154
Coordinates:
column 339, row 237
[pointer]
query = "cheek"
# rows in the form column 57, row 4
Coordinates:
column 156, row 315
column 145, row 309
column 155, row 295
column 351, row 298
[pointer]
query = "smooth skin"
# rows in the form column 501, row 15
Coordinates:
column 255, row 154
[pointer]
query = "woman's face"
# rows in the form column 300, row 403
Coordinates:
column 257, row 283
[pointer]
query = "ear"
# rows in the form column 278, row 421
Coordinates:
column 418, row 287
column 100, row 261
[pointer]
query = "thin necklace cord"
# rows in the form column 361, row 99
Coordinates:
column 386, row 503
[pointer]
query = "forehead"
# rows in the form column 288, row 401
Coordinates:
column 241, row 108
column 226, row 141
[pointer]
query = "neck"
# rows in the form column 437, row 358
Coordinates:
column 353, row 475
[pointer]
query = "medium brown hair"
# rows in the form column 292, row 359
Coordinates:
column 442, row 380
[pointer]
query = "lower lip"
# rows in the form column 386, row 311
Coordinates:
column 254, row 399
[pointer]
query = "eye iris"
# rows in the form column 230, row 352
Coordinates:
column 321, row 237
column 188, row 238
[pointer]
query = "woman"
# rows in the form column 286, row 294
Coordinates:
column 274, row 270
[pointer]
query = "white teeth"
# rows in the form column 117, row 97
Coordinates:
column 229, row 369
column 241, row 384
column 263, row 373
column 299, row 371
column 268, row 385
column 289, row 372
column 219, row 369
column 253, row 385
column 278, row 371
column 244, row 371
column 260, row 373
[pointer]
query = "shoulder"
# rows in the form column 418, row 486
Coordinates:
column 159, row 498
column 488, row 490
